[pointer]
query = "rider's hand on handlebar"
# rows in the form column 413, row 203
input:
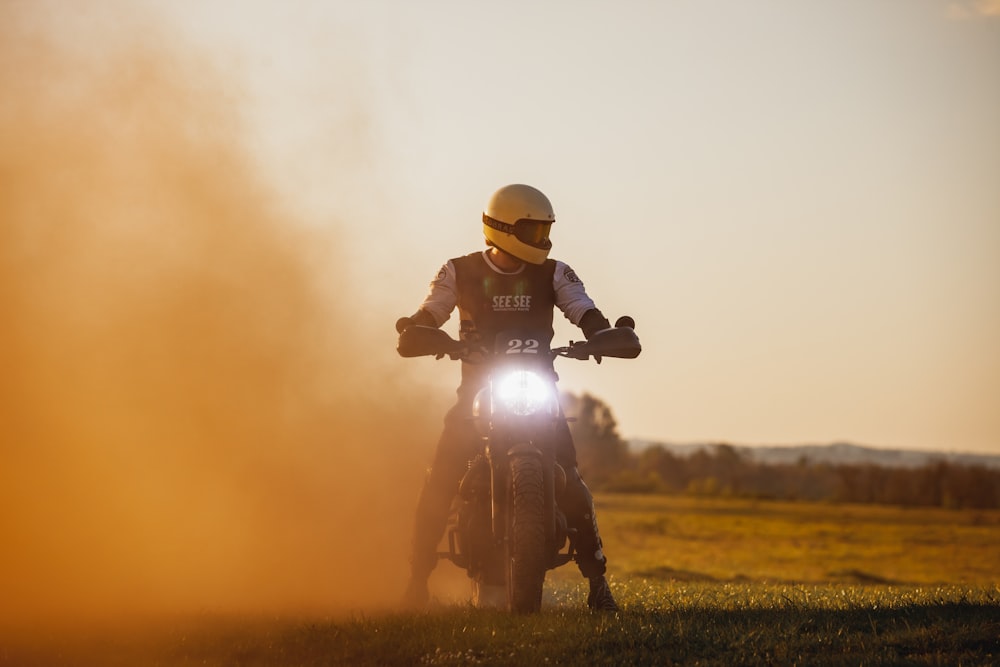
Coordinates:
column 474, row 354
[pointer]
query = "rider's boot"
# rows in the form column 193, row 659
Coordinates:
column 600, row 598
column 417, row 594
column 422, row 563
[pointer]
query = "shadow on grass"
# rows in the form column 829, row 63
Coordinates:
column 848, row 576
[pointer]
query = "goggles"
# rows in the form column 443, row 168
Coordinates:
column 531, row 232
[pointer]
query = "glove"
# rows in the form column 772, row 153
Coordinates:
column 592, row 322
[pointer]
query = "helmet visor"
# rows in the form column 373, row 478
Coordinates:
column 533, row 232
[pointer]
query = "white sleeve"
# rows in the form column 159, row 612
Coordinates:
column 443, row 295
column 571, row 296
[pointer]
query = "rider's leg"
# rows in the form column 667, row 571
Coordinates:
column 455, row 448
column 577, row 504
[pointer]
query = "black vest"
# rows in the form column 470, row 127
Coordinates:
column 489, row 302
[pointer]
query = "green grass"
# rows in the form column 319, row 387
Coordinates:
column 661, row 624
column 700, row 582
column 682, row 538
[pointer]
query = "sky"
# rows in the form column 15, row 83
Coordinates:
column 797, row 202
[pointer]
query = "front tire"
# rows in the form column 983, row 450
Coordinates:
column 526, row 535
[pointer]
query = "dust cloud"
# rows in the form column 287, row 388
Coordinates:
column 189, row 420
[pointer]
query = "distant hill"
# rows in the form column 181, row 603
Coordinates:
column 838, row 453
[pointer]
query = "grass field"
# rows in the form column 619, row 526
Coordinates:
column 689, row 539
column 700, row 582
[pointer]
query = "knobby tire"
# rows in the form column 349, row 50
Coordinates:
column 526, row 543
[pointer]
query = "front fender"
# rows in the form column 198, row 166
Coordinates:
column 524, row 449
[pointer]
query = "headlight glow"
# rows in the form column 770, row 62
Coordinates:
column 523, row 393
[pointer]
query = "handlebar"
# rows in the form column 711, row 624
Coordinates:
column 619, row 341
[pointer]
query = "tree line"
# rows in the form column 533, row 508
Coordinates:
column 721, row 470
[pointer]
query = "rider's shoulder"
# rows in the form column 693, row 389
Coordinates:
column 563, row 273
column 472, row 259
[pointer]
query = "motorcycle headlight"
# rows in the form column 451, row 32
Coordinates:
column 523, row 393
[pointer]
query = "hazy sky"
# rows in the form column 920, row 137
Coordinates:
column 799, row 202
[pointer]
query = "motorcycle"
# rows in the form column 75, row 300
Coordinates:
column 508, row 530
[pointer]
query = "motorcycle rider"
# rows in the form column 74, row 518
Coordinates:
column 512, row 283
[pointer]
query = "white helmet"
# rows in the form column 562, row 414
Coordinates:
column 517, row 219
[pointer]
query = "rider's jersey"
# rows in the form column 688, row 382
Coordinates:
column 490, row 300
